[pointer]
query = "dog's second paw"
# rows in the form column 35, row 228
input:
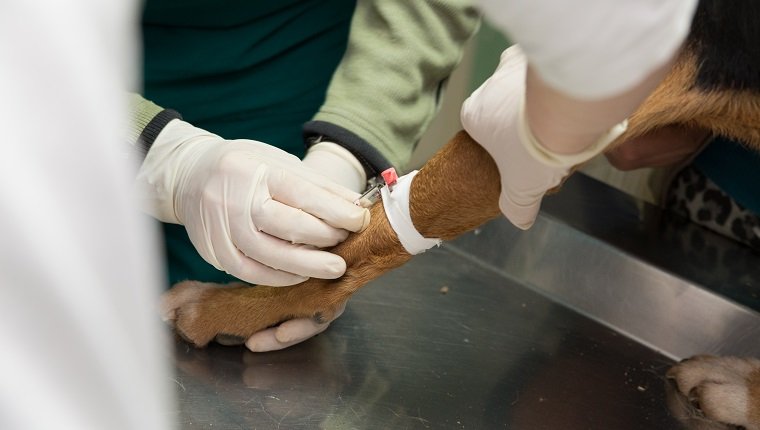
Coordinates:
column 722, row 389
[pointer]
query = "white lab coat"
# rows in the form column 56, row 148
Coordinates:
column 82, row 345
column 592, row 49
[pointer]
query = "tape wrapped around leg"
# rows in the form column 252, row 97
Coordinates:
column 396, row 204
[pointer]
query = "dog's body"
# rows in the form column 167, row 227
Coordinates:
column 447, row 200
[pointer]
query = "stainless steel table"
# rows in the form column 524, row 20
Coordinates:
column 568, row 326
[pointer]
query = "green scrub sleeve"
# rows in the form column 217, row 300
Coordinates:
column 146, row 120
column 389, row 84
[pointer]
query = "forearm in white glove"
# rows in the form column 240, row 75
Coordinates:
column 494, row 115
column 249, row 208
column 339, row 165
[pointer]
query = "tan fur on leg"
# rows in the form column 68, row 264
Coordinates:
column 753, row 383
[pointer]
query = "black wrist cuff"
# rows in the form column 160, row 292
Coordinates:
column 154, row 127
column 371, row 159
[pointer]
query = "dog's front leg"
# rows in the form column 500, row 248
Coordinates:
column 457, row 190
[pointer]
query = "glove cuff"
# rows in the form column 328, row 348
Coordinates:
column 564, row 161
column 175, row 148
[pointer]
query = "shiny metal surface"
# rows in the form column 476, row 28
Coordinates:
column 548, row 329
column 658, row 238
column 670, row 314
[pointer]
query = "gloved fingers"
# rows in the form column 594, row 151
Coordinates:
column 309, row 173
column 290, row 333
column 520, row 199
column 266, row 260
column 237, row 264
column 301, row 260
column 234, row 245
column 280, row 159
column 219, row 251
column 298, row 330
column 266, row 340
column 293, row 225
column 255, row 272
column 317, row 199
column 521, row 215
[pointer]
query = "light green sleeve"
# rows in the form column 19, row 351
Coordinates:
column 389, row 84
column 145, row 121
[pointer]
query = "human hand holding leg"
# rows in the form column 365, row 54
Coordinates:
column 250, row 209
column 535, row 143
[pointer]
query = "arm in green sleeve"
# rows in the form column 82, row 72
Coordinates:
column 387, row 88
column 146, row 120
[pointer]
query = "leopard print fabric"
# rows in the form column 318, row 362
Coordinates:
column 692, row 195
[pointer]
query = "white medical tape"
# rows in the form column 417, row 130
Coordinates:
column 396, row 204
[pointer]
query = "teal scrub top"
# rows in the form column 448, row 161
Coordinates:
column 734, row 168
column 242, row 69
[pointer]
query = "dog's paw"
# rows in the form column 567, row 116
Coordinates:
column 722, row 389
column 197, row 312
column 181, row 294
column 231, row 314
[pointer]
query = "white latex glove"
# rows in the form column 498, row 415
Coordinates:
column 288, row 333
column 249, row 208
column 494, row 115
column 338, row 164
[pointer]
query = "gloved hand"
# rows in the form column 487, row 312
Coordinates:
column 250, row 209
column 338, row 164
column 494, row 115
